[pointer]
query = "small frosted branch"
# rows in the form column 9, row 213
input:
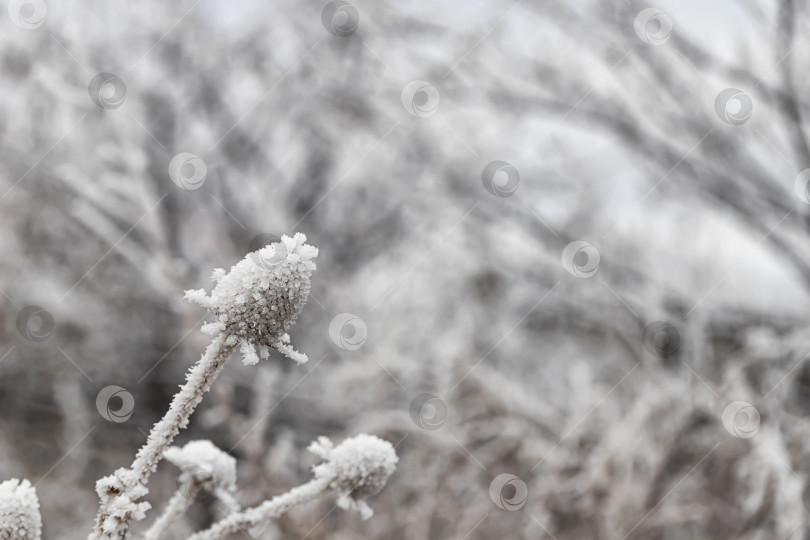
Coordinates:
column 271, row 509
column 174, row 510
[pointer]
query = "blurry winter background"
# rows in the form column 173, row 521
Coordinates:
column 564, row 265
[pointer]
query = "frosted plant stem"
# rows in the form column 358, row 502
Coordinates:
column 271, row 509
column 174, row 510
column 112, row 523
column 198, row 381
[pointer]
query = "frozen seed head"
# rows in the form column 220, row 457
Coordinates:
column 260, row 298
column 205, row 463
column 356, row 468
column 19, row 511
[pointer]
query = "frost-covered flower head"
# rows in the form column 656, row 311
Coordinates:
column 19, row 511
column 206, row 463
column 356, row 468
column 260, row 297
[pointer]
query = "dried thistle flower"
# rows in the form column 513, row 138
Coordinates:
column 357, row 468
column 19, row 511
column 260, row 298
column 209, row 465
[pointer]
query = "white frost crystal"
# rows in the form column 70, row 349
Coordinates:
column 206, row 463
column 356, row 468
column 19, row 511
column 260, row 297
